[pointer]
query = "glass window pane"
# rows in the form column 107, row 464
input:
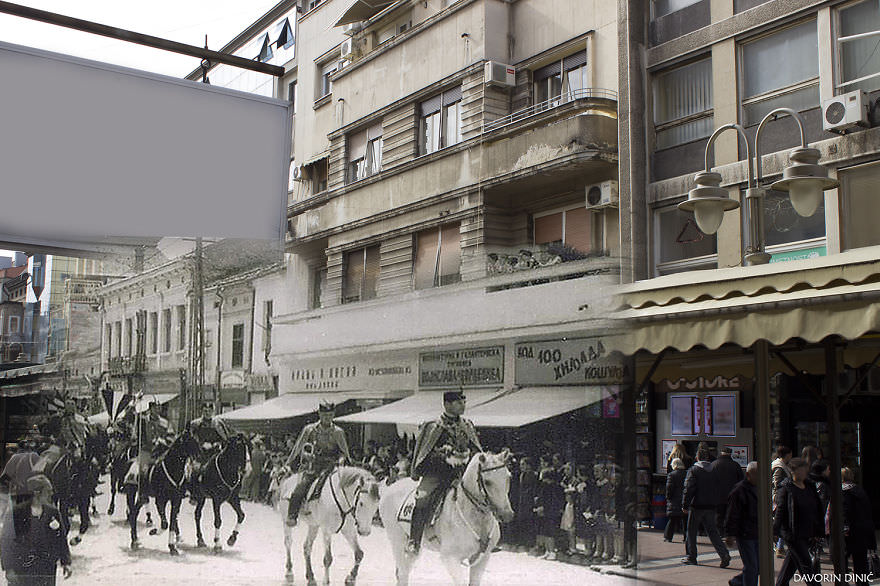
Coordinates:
column 780, row 60
column 679, row 237
column 452, row 121
column 450, row 254
column 425, row 263
column 693, row 130
column 783, row 225
column 663, row 7
column 353, row 276
column 431, row 132
column 371, row 273
column 683, row 91
column 860, row 57
column 803, row 99
column 860, row 187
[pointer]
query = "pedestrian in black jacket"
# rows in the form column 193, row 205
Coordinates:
column 858, row 526
column 728, row 473
column 701, row 503
column 798, row 521
column 742, row 523
column 674, row 496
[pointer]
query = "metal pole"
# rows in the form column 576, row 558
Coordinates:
column 762, row 456
column 838, row 557
column 138, row 38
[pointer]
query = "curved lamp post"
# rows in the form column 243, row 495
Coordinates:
column 804, row 180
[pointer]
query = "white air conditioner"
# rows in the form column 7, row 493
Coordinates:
column 500, row 74
column 845, row 111
column 345, row 49
column 297, row 173
column 352, row 28
column 602, row 195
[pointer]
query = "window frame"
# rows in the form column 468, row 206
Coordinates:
column 326, row 69
column 366, row 289
column 181, row 327
column 693, row 263
column 447, row 102
column 438, row 279
column 318, row 286
column 592, row 218
column 17, row 328
column 778, row 92
column 167, row 328
column 370, row 163
column 154, row 332
column 842, row 86
column 566, row 94
column 671, row 124
column 236, row 355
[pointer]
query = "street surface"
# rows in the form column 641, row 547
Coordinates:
column 104, row 556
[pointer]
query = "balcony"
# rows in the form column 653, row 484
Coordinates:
column 524, row 116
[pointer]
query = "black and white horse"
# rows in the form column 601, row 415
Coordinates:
column 220, row 480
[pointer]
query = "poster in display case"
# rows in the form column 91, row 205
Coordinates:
column 682, row 411
column 721, row 415
column 739, row 454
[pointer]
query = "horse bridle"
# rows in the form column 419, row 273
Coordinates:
column 487, row 505
column 231, row 487
column 343, row 512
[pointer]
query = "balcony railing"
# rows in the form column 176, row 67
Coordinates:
column 546, row 105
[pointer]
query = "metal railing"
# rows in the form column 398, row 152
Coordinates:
column 565, row 98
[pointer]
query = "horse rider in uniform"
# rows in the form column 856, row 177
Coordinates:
column 153, row 433
column 442, row 450
column 211, row 433
column 72, row 429
column 318, row 448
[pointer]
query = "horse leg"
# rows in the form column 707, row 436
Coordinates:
column 288, row 541
column 453, row 567
column 218, row 521
column 133, row 509
column 161, row 501
column 173, row 529
column 351, row 536
column 307, row 552
column 476, row 570
column 235, row 501
column 328, row 555
column 200, row 504
column 112, row 508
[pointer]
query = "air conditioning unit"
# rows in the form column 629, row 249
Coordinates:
column 297, row 173
column 500, row 74
column 602, row 195
column 352, row 28
column 345, row 49
column 845, row 111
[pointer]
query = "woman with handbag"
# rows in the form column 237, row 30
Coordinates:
column 858, row 525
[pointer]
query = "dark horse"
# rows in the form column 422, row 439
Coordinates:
column 221, row 480
column 124, row 453
column 165, row 483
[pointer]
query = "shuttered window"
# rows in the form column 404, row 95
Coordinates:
column 562, row 80
column 365, row 152
column 572, row 228
column 237, row 345
column 360, row 274
column 437, row 257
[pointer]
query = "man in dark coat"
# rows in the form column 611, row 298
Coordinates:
column 700, row 502
column 858, row 524
column 443, row 449
column 799, row 521
column 525, row 503
column 728, row 473
column 742, row 523
column 674, row 497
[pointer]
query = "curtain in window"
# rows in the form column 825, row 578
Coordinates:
column 578, row 229
column 371, row 273
column 426, row 258
column 450, row 255
column 353, row 280
column 796, row 47
column 683, row 91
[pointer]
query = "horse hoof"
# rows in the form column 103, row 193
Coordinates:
column 135, row 545
column 154, row 531
column 218, row 548
column 173, row 550
column 231, row 541
column 111, row 510
column 350, row 580
column 164, row 525
column 201, row 543
column 76, row 540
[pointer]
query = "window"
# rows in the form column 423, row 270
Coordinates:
column 767, row 86
column 166, row 330
column 683, row 104
column 14, row 324
column 365, row 153
column 154, row 332
column 437, row 257
column 319, row 286
column 310, row 4
column 561, row 80
column 129, row 335
column 265, row 50
column 360, row 269
column 785, row 230
column 291, row 94
column 664, row 7
column 268, row 311
column 440, row 121
column 117, row 332
column 571, row 228
column 181, row 327
column 284, row 34
column 237, row 345
column 316, row 174
column 678, row 243
column 108, row 339
column 860, row 213
column 325, row 84
column 858, row 58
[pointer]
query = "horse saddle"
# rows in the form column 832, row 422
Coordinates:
column 404, row 514
column 315, row 488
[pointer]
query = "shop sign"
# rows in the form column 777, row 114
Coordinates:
column 380, row 373
column 465, row 367
column 231, row 379
column 702, row 383
column 567, row 362
column 802, row 254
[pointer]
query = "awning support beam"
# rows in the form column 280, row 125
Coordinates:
column 652, row 370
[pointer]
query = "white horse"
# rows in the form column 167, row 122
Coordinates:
column 347, row 504
column 467, row 528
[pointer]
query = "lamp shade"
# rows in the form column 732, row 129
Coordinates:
column 708, row 201
column 805, row 180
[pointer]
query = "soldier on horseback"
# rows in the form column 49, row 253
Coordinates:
column 318, row 448
column 212, row 433
column 442, row 450
column 153, row 436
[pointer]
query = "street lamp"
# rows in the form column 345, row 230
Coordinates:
column 804, row 180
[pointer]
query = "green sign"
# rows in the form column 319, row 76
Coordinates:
column 799, row 254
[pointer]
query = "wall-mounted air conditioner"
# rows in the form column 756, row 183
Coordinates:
column 845, row 111
column 345, row 49
column 500, row 74
column 352, row 28
column 602, row 195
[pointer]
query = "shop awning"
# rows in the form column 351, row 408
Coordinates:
column 363, row 10
column 417, row 408
column 533, row 404
column 19, row 390
column 806, row 300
